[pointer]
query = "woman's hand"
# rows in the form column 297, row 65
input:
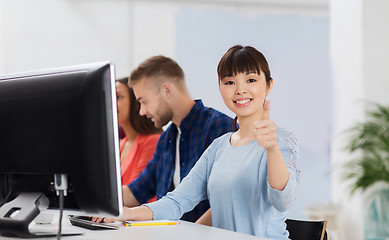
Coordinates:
column 266, row 135
column 265, row 130
column 141, row 213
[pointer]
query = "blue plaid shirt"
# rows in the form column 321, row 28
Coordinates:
column 198, row 129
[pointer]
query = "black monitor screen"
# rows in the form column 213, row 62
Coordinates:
column 62, row 121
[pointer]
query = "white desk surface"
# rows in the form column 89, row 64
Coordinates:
column 184, row 230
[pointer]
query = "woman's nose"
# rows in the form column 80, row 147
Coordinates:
column 240, row 89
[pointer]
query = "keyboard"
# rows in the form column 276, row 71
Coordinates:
column 85, row 222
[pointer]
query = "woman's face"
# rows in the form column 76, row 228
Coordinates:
column 123, row 103
column 245, row 93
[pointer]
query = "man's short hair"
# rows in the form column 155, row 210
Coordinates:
column 159, row 69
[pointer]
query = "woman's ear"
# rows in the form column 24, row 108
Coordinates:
column 269, row 87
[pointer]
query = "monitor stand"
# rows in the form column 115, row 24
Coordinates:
column 16, row 216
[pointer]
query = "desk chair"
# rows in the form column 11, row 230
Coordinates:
column 306, row 230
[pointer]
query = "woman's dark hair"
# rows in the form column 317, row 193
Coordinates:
column 141, row 124
column 239, row 59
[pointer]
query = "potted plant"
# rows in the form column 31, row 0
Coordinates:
column 369, row 140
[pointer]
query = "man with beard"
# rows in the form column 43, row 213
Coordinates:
column 159, row 86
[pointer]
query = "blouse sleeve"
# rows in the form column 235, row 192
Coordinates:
column 282, row 200
column 188, row 194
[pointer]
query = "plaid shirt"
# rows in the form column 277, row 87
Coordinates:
column 198, row 129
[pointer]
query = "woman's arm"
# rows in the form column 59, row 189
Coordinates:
column 129, row 199
column 266, row 136
column 205, row 219
column 141, row 213
column 277, row 171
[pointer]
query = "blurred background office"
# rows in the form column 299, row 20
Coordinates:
column 327, row 58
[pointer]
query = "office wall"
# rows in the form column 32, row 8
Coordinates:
column 376, row 50
column 346, row 59
column 153, row 32
column 42, row 34
column 294, row 38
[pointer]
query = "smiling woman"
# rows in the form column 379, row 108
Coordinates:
column 260, row 160
column 242, row 76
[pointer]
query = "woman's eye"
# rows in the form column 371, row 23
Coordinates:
column 251, row 80
column 229, row 83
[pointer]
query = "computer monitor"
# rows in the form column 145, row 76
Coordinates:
column 61, row 121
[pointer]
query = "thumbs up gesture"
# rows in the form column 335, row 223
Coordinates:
column 265, row 129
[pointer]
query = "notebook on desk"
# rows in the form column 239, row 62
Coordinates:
column 86, row 222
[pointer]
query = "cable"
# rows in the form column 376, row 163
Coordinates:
column 4, row 183
column 5, row 200
column 61, row 200
column 61, row 186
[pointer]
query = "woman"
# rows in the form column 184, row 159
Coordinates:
column 249, row 176
column 141, row 136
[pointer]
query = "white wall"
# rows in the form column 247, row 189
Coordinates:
column 346, row 60
column 359, row 51
column 43, row 34
column 154, row 30
column 376, row 50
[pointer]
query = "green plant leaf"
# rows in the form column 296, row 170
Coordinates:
column 370, row 140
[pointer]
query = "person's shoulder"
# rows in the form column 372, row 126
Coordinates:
column 149, row 138
column 223, row 138
column 220, row 142
column 212, row 111
column 214, row 114
column 287, row 136
column 123, row 141
column 167, row 134
column 214, row 123
column 285, row 132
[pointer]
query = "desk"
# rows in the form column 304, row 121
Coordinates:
column 184, row 230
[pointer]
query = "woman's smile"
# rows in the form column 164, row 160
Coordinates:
column 242, row 102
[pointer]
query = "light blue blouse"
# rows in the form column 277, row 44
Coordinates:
column 234, row 179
